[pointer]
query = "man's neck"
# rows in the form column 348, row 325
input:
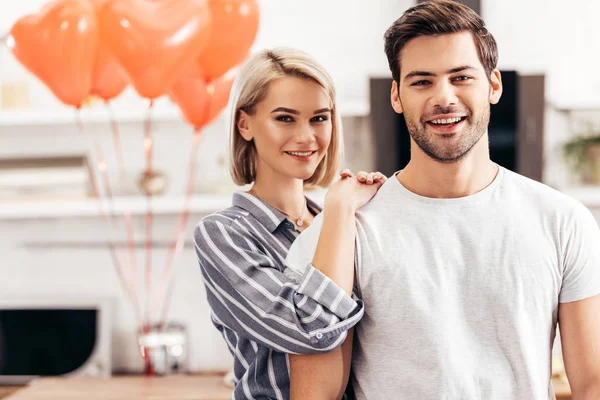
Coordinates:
column 429, row 178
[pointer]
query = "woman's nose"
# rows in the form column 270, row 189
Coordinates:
column 305, row 133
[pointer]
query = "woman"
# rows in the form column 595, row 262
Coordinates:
column 285, row 134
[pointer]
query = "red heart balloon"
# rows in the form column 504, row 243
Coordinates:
column 153, row 39
column 108, row 78
column 57, row 44
column 200, row 100
column 233, row 30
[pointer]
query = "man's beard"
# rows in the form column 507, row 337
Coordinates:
column 436, row 149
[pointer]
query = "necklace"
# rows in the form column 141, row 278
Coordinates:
column 298, row 221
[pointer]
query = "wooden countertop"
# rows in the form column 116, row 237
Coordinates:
column 562, row 389
column 183, row 387
column 174, row 387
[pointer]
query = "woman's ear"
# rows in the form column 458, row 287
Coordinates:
column 243, row 125
column 496, row 87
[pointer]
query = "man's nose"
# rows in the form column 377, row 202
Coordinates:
column 444, row 95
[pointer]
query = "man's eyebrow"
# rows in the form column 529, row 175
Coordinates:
column 413, row 74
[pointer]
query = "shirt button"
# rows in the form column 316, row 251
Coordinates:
column 319, row 335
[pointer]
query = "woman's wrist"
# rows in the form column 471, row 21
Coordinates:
column 337, row 203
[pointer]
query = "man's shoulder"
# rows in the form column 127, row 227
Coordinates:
column 379, row 214
column 384, row 196
column 522, row 190
column 514, row 190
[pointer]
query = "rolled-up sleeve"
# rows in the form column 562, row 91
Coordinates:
column 251, row 295
column 320, row 288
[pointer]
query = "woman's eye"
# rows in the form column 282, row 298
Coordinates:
column 284, row 118
column 320, row 118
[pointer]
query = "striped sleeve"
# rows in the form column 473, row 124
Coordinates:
column 250, row 295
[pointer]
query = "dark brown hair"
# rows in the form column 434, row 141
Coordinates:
column 439, row 17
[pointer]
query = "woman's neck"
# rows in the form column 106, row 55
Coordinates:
column 285, row 194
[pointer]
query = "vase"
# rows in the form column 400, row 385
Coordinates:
column 163, row 349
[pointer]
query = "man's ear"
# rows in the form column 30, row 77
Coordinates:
column 243, row 125
column 496, row 87
column 395, row 98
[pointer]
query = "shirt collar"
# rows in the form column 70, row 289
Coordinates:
column 266, row 214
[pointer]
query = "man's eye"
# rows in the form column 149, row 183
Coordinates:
column 463, row 78
column 420, row 83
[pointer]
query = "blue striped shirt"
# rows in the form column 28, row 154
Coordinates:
column 263, row 310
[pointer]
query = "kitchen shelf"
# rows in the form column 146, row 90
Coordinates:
column 62, row 207
column 577, row 105
column 99, row 114
column 90, row 207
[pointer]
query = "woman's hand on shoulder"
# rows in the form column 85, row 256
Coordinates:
column 368, row 178
column 354, row 191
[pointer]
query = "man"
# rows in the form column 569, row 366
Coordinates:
column 465, row 268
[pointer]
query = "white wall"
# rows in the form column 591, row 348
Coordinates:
column 574, row 50
column 557, row 37
column 347, row 37
column 522, row 45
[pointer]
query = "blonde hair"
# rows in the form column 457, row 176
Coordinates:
column 250, row 88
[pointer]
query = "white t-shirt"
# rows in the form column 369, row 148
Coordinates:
column 461, row 295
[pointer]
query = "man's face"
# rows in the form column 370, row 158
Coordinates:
column 445, row 94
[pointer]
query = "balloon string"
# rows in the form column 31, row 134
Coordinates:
column 148, row 144
column 177, row 244
column 100, row 166
column 178, row 241
column 126, row 213
column 117, row 143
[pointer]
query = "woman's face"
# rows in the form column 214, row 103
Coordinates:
column 291, row 128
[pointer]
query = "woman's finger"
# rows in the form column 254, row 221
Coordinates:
column 379, row 177
column 369, row 178
column 345, row 173
column 361, row 176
